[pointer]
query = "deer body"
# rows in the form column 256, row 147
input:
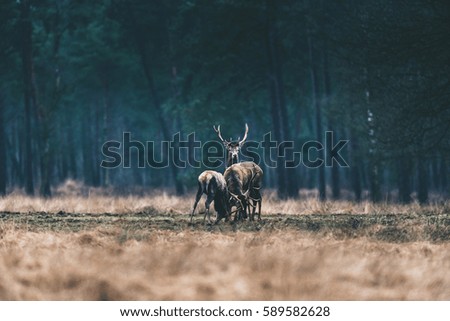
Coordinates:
column 254, row 188
column 244, row 182
column 212, row 184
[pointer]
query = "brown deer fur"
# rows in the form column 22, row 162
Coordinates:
column 254, row 188
column 212, row 184
column 244, row 182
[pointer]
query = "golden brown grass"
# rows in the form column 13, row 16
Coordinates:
column 186, row 265
column 95, row 246
column 73, row 198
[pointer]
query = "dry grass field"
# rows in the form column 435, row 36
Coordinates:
column 100, row 247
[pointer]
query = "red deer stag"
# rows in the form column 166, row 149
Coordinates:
column 244, row 183
column 233, row 147
column 254, row 188
column 213, row 184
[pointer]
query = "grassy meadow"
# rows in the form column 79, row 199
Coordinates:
column 95, row 246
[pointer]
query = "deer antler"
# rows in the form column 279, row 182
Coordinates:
column 245, row 135
column 217, row 130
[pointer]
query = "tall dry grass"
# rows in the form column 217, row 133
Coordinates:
column 72, row 197
column 196, row 265
column 149, row 252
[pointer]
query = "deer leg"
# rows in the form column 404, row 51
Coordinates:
column 238, row 212
column 242, row 213
column 258, row 202
column 228, row 210
column 245, row 204
column 221, row 206
column 197, row 199
column 256, row 199
column 208, row 202
column 206, row 213
column 252, row 216
column 259, row 209
column 252, row 205
column 249, row 206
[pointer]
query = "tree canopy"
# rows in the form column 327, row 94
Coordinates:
column 76, row 74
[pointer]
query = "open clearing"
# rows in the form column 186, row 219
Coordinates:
column 146, row 253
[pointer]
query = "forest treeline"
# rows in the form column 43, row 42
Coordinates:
column 75, row 74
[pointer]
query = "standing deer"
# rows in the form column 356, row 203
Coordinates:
column 233, row 147
column 254, row 188
column 213, row 184
column 244, row 183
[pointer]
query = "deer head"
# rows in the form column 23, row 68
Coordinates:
column 233, row 146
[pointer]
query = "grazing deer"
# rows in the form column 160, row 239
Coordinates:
column 233, row 146
column 254, row 188
column 244, row 182
column 213, row 184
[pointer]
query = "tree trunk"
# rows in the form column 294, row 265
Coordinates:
column 43, row 144
column 26, row 30
column 443, row 173
column 3, row 164
column 404, row 170
column 44, row 189
column 355, row 167
column 105, row 173
column 145, row 60
column 86, row 153
column 435, row 172
column 287, row 177
column 317, row 107
column 16, row 172
column 374, row 166
column 45, row 112
column 164, row 126
column 71, row 150
column 335, row 177
column 95, row 147
column 422, row 181
column 275, row 99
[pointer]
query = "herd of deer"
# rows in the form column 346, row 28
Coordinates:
column 238, row 187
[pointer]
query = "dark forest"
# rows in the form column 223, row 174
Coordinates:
column 77, row 74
